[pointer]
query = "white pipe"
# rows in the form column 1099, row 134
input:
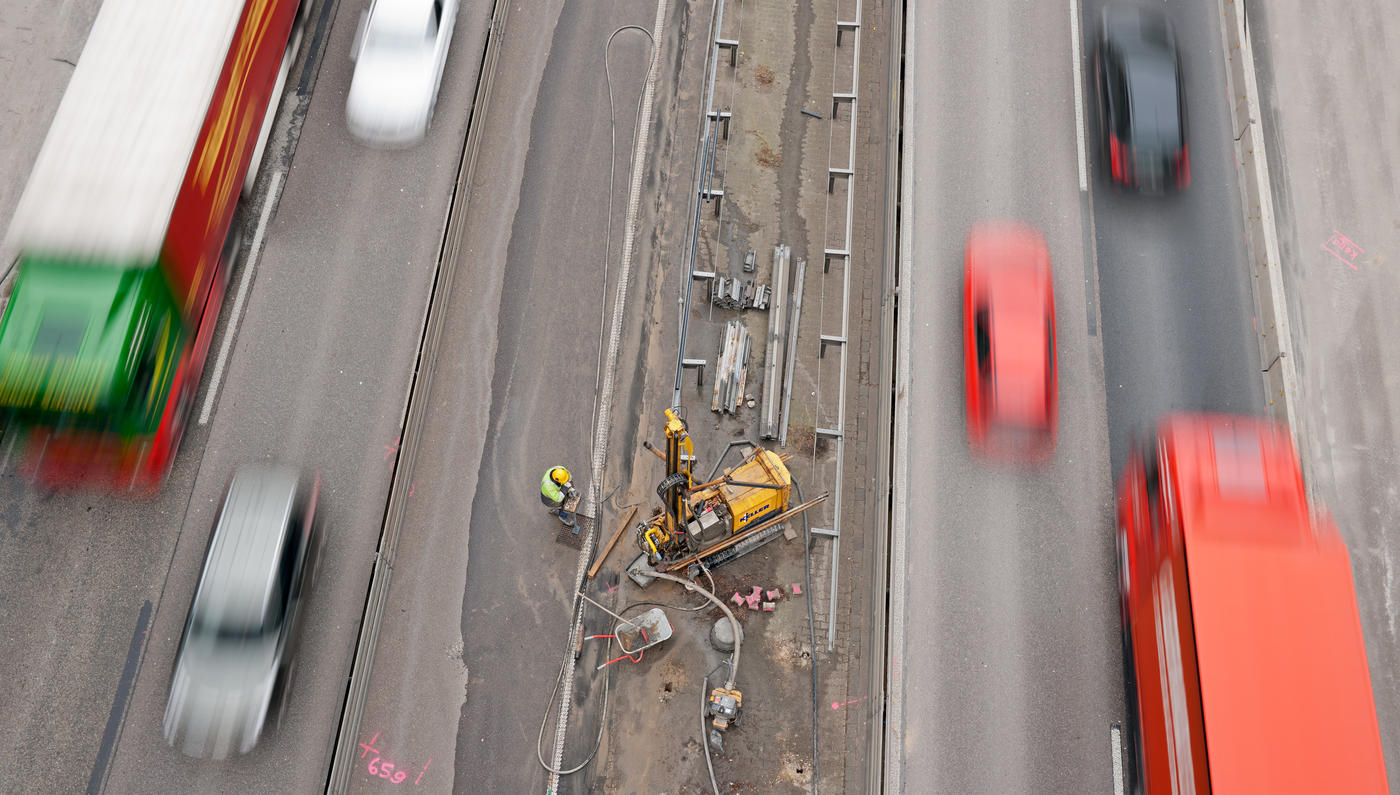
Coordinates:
column 733, row 622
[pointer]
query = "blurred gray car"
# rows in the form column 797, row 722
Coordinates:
column 238, row 646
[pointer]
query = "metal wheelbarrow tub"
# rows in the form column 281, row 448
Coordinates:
column 643, row 632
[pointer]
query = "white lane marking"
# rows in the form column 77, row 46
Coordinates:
column 238, row 300
column 1078, row 93
column 1388, row 563
column 1115, row 740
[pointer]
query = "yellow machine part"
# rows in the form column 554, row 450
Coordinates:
column 751, row 503
column 655, row 539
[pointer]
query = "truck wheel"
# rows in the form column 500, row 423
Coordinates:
column 1132, row 761
column 233, row 243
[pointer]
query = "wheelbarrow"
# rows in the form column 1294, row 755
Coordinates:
column 635, row 635
column 642, row 632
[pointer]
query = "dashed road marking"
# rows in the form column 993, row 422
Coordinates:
column 1115, row 741
column 1076, row 58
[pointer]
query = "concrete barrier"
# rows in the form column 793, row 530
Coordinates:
column 1277, row 366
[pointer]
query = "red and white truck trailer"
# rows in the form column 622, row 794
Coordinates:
column 1245, row 660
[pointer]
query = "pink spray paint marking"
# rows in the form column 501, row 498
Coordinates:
column 379, row 767
column 421, row 772
column 840, row 704
column 1339, row 246
column 390, row 449
column 385, row 770
column 410, row 488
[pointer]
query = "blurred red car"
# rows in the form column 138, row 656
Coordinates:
column 1009, row 342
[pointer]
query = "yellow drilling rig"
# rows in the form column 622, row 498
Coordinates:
column 717, row 521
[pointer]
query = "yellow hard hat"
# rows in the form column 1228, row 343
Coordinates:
column 560, row 475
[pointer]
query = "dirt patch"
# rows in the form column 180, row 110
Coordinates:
column 765, row 156
column 804, row 439
column 796, row 770
column 801, row 437
column 672, row 676
column 791, row 654
column 763, row 77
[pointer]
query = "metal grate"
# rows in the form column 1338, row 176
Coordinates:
column 567, row 537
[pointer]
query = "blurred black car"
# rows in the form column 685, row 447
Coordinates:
column 239, row 642
column 1142, row 105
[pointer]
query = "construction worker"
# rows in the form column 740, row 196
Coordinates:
column 559, row 496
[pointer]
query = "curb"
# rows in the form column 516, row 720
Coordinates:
column 897, row 564
column 1277, row 366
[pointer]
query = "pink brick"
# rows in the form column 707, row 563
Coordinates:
column 767, row 607
column 796, row 589
column 738, row 599
column 775, row 594
column 752, row 602
column 757, row 592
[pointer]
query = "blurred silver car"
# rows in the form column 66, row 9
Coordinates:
column 239, row 640
column 400, row 50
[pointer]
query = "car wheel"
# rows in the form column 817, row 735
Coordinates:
column 282, row 693
column 314, row 559
column 1101, row 112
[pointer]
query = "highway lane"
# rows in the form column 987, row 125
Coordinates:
column 39, row 43
column 1011, row 668
column 1174, row 285
column 75, row 573
column 1329, row 124
column 318, row 377
column 478, row 611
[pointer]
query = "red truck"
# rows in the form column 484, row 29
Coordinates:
column 1244, row 658
column 124, row 236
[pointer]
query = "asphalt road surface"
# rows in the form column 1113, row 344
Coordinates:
column 478, row 614
column 39, row 43
column 1012, row 669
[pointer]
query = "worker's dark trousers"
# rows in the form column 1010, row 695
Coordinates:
column 558, row 510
